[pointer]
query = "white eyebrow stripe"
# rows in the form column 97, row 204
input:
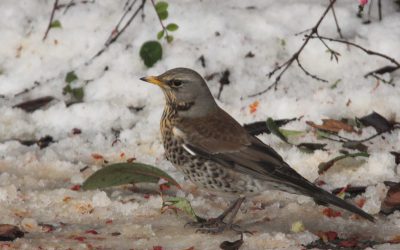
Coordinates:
column 185, row 147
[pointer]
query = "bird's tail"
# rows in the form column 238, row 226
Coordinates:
column 323, row 196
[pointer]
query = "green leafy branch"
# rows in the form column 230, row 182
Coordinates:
column 161, row 9
column 77, row 93
column 151, row 51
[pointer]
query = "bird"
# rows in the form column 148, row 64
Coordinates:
column 218, row 154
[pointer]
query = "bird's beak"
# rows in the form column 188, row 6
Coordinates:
column 153, row 80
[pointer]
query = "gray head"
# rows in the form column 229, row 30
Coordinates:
column 185, row 90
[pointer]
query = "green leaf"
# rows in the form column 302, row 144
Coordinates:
column 334, row 85
column 275, row 130
column 163, row 15
column 172, row 27
column 324, row 166
column 169, row 38
column 322, row 134
column 180, row 204
column 78, row 94
column 70, row 77
column 125, row 173
column 291, row 133
column 161, row 6
column 67, row 89
column 55, row 24
column 160, row 34
column 151, row 52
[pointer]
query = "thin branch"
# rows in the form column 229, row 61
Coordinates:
column 367, row 51
column 159, row 19
column 390, row 82
column 116, row 32
column 73, row 3
column 295, row 56
column 380, row 10
column 308, row 73
column 334, row 54
column 51, row 19
column 336, row 23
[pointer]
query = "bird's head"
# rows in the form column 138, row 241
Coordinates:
column 185, row 90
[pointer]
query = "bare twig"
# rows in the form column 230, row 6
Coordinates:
column 369, row 52
column 73, row 3
column 380, row 10
column 336, row 23
column 390, row 82
column 308, row 73
column 51, row 19
column 295, row 56
column 117, row 32
column 57, row 6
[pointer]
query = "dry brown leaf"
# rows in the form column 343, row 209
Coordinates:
column 9, row 232
column 392, row 199
column 332, row 125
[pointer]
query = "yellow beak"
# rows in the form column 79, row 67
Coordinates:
column 153, row 80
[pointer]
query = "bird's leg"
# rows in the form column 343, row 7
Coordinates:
column 217, row 225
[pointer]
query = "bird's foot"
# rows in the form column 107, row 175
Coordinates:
column 215, row 226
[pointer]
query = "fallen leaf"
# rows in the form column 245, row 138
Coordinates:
column 157, row 248
column 396, row 157
column 348, row 243
column 291, row 133
column 126, row 173
column 275, row 130
column 42, row 142
column 330, row 213
column 324, row 166
column 76, row 131
column 97, row 156
column 179, row 203
column 361, row 202
column 355, row 145
column 67, row 199
column 377, row 121
column 311, row 147
column 297, row 227
column 392, row 199
column 91, row 231
column 327, row 236
column 47, row 228
column 395, row 240
column 76, row 187
column 234, row 245
column 78, row 238
column 10, row 232
column 332, row 125
column 164, row 187
column 257, row 128
column 32, row 105
column 253, row 106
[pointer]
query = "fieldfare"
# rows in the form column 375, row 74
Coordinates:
column 216, row 153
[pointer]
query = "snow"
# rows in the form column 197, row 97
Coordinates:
column 35, row 184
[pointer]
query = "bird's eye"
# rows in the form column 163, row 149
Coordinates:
column 176, row 83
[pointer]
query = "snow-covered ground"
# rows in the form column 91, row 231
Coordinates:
column 35, row 184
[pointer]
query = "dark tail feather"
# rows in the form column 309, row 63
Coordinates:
column 323, row 196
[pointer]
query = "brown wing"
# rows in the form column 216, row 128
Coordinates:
column 217, row 133
column 220, row 138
